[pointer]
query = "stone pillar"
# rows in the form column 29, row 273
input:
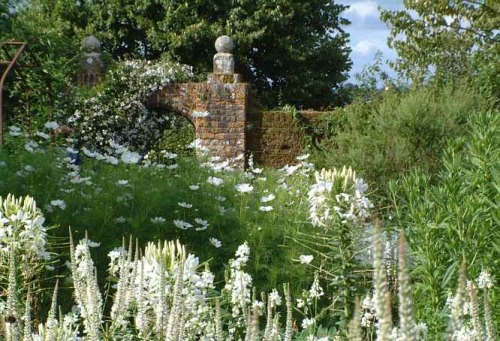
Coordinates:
column 223, row 130
column 218, row 108
column 91, row 64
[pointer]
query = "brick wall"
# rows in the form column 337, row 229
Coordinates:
column 223, row 130
column 276, row 138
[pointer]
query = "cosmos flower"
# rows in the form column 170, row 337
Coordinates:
column 130, row 157
column 58, row 203
column 244, row 188
column 170, row 155
column 14, row 131
column 267, row 198
column 215, row 242
column 212, row 180
column 183, row 225
column 51, row 125
column 157, row 220
column 305, row 259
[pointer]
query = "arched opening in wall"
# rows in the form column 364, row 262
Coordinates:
column 179, row 132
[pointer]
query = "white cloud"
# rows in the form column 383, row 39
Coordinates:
column 364, row 47
column 363, row 9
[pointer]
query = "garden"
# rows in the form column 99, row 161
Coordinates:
column 117, row 224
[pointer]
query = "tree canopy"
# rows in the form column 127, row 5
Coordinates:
column 443, row 37
column 292, row 51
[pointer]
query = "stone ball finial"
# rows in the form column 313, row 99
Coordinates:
column 224, row 44
column 91, row 44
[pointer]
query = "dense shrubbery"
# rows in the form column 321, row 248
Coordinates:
column 394, row 131
column 456, row 216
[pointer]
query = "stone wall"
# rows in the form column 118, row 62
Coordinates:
column 227, row 120
column 223, row 129
column 276, row 138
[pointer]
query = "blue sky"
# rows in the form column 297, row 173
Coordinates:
column 368, row 33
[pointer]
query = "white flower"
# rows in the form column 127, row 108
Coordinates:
column 111, row 159
column 122, row 182
column 258, row 304
column 244, row 188
column 14, row 131
column 31, row 146
column 307, row 322
column 274, row 298
column 368, row 303
column 58, row 203
column 289, row 170
column 243, row 252
column 203, row 223
column 71, row 150
column 170, row 155
column 174, row 166
column 265, row 208
column 183, row 225
column 52, row 125
column 305, row 259
column 195, row 144
column 158, row 220
column 93, row 243
column 360, row 185
column 130, row 157
column 194, row 187
column 215, row 242
column 267, row 198
column 42, row 135
column 484, row 280
column 212, row 180
column 184, row 204
column 115, row 253
column 29, row 168
column 120, row 220
column 88, row 152
column 367, row 319
column 196, row 114
column 302, row 157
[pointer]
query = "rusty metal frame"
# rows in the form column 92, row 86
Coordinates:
column 7, row 46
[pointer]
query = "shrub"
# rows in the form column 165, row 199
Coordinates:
column 390, row 134
column 456, row 218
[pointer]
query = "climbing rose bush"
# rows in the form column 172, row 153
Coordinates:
column 116, row 110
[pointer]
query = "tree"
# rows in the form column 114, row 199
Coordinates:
column 441, row 37
column 39, row 88
column 292, row 51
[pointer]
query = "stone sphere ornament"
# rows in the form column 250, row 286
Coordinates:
column 224, row 44
column 91, row 44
